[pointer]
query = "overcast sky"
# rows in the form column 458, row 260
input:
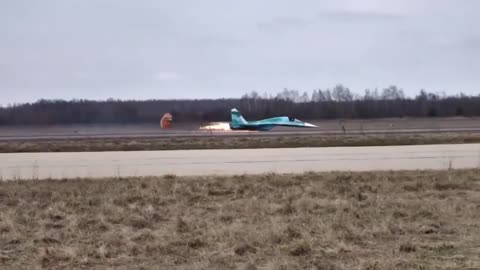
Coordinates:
column 141, row 49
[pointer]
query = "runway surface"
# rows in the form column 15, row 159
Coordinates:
column 249, row 161
column 325, row 127
column 193, row 134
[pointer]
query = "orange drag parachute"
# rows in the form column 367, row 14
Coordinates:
column 166, row 121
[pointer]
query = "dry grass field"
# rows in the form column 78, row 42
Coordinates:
column 375, row 220
column 232, row 142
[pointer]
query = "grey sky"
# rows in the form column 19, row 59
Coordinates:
column 217, row 48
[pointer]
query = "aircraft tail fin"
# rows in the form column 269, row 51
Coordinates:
column 237, row 118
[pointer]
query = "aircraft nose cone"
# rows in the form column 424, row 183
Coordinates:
column 309, row 125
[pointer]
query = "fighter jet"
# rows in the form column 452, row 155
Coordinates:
column 239, row 123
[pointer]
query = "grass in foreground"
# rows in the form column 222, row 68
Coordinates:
column 216, row 142
column 378, row 220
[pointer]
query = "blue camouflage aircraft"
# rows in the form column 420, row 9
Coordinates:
column 239, row 123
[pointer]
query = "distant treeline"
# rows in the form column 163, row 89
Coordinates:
column 338, row 102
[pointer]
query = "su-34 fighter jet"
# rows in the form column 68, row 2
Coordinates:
column 239, row 123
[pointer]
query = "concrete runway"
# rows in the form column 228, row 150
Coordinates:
column 193, row 134
column 250, row 161
column 325, row 127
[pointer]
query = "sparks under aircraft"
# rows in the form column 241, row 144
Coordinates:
column 239, row 123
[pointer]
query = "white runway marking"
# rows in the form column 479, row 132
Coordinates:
column 238, row 161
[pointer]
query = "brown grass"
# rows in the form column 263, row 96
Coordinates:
column 377, row 220
column 233, row 142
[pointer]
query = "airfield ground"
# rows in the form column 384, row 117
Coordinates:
column 68, row 165
column 232, row 142
column 370, row 220
column 75, row 138
column 325, row 126
column 331, row 220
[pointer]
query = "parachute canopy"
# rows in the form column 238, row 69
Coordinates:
column 166, row 120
